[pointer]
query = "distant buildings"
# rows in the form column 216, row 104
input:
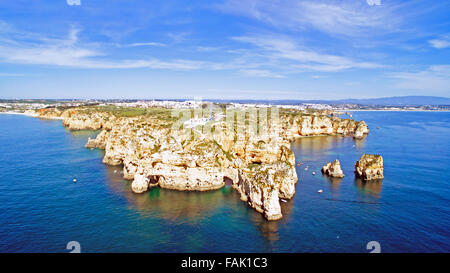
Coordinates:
column 7, row 105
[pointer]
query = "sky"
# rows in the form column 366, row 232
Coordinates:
column 228, row 49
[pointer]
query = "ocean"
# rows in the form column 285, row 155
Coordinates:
column 42, row 209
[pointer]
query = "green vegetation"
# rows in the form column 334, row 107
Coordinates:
column 154, row 112
column 371, row 160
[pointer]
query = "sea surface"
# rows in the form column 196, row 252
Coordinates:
column 42, row 209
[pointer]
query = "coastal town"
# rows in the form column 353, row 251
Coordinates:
column 19, row 105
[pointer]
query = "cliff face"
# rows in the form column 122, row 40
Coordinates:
column 314, row 125
column 84, row 121
column 49, row 113
column 257, row 160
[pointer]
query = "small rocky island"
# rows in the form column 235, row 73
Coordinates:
column 333, row 169
column 198, row 151
column 369, row 167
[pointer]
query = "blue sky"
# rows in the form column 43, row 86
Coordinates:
column 231, row 49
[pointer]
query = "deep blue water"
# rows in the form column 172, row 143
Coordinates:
column 41, row 209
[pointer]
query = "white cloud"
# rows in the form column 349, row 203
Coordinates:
column 440, row 43
column 73, row 2
column 434, row 78
column 351, row 18
column 298, row 59
column 207, row 48
column 373, row 2
column 260, row 73
column 267, row 55
column 178, row 37
column 147, row 44
column 70, row 52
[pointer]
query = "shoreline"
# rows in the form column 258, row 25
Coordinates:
column 18, row 113
column 386, row 110
column 33, row 115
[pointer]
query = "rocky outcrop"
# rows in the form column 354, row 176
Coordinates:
column 140, row 183
column 259, row 163
column 99, row 141
column 157, row 156
column 49, row 113
column 321, row 125
column 262, row 186
column 369, row 167
column 333, row 169
column 94, row 121
column 361, row 130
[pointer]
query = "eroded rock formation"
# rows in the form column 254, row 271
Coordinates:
column 321, row 125
column 333, row 169
column 369, row 167
column 155, row 151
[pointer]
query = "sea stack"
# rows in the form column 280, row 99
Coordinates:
column 333, row 169
column 361, row 130
column 369, row 167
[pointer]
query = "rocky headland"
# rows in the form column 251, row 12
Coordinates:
column 249, row 148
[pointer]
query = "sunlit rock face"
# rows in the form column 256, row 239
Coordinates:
column 99, row 141
column 361, row 130
column 316, row 124
column 369, row 167
column 255, row 154
column 85, row 121
column 140, row 183
column 333, row 169
column 49, row 113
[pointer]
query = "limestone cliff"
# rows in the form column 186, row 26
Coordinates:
column 303, row 124
column 257, row 159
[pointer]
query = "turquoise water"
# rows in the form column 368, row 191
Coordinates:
column 41, row 209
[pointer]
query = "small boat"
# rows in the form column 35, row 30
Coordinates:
column 320, row 191
column 74, row 180
column 283, row 200
column 313, row 173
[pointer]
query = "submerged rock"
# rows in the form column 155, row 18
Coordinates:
column 333, row 169
column 369, row 167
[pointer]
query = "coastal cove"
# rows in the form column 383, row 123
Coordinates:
column 42, row 209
